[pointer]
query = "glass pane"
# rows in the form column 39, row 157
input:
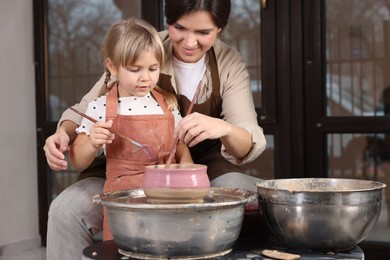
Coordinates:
column 358, row 57
column 243, row 33
column 363, row 156
column 75, row 33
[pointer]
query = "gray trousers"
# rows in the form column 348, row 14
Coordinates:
column 74, row 219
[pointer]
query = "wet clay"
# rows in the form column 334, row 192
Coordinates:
column 176, row 195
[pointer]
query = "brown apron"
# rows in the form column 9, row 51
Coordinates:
column 207, row 152
column 126, row 162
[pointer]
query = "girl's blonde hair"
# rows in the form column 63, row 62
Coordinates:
column 124, row 43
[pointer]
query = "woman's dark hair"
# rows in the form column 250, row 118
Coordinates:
column 219, row 10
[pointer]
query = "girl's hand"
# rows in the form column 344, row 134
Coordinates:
column 100, row 134
column 195, row 128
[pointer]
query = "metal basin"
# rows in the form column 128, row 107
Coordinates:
column 146, row 230
column 320, row 214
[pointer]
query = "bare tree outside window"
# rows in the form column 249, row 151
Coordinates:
column 357, row 85
column 76, row 30
column 358, row 56
column 75, row 34
column 243, row 33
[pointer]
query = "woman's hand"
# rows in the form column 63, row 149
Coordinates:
column 100, row 134
column 195, row 128
column 55, row 148
column 57, row 145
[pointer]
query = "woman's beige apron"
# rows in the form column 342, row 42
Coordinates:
column 126, row 162
column 207, row 152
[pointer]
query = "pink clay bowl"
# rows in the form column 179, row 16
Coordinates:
column 180, row 183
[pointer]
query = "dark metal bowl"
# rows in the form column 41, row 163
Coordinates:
column 320, row 214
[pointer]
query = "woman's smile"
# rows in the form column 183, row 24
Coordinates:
column 190, row 51
column 192, row 36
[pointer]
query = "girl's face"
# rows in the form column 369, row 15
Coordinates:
column 192, row 36
column 138, row 79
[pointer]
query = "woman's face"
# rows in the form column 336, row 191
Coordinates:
column 192, row 36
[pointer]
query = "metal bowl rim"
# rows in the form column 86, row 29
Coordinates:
column 247, row 196
column 376, row 185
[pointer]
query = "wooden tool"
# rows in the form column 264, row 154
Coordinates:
column 279, row 255
column 145, row 147
column 176, row 142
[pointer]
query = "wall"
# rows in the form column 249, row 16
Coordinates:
column 18, row 163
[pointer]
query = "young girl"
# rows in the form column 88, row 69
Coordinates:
column 134, row 106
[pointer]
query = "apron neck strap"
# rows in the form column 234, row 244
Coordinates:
column 161, row 101
column 214, row 72
column 112, row 103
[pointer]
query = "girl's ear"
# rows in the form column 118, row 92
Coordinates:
column 111, row 67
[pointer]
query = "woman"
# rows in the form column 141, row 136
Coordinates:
column 222, row 132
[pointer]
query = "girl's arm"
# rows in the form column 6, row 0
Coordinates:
column 82, row 152
column 85, row 148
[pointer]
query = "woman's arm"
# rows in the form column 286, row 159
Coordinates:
column 238, row 107
column 196, row 127
column 183, row 154
column 57, row 144
column 237, row 141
